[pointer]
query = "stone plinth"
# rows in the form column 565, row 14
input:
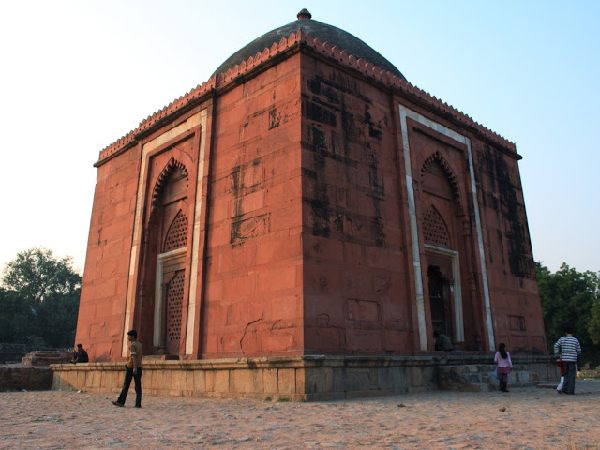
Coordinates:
column 312, row 377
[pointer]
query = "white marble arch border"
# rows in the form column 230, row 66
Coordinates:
column 419, row 296
column 197, row 119
column 195, row 244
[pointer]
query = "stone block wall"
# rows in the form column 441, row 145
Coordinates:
column 309, row 378
column 253, row 304
column 516, row 306
column 18, row 377
column 103, row 295
column 46, row 358
column 34, row 373
column 357, row 299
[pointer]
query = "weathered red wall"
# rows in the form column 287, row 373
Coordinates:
column 516, row 307
column 104, row 286
column 254, row 280
column 357, row 299
column 359, row 286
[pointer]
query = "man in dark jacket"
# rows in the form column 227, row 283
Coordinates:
column 79, row 355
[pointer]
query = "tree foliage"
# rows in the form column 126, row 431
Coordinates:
column 571, row 298
column 36, row 274
column 39, row 300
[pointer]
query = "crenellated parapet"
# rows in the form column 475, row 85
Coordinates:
column 131, row 138
column 285, row 44
column 405, row 87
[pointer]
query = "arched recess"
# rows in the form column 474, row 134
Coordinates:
column 164, row 274
column 437, row 166
column 441, row 213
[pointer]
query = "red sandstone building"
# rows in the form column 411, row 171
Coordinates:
column 308, row 200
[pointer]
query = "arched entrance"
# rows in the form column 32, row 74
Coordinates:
column 439, row 225
column 166, row 258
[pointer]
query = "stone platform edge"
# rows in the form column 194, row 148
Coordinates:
column 308, row 377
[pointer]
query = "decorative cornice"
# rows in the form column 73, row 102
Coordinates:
column 156, row 119
column 316, row 44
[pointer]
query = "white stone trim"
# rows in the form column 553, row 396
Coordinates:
column 195, row 244
column 419, row 296
column 404, row 113
column 167, row 136
column 482, row 260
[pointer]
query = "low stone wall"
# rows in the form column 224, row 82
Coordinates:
column 47, row 357
column 589, row 373
column 476, row 373
column 34, row 373
column 318, row 377
column 18, row 377
column 14, row 354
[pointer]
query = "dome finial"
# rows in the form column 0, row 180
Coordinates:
column 304, row 14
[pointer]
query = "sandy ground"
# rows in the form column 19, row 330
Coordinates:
column 525, row 418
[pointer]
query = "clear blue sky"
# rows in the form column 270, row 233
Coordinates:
column 78, row 75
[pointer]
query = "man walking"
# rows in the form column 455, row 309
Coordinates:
column 134, row 370
column 568, row 349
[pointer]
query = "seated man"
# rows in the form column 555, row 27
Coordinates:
column 80, row 355
column 442, row 342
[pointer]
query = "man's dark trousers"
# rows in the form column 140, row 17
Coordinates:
column 138, row 386
column 570, row 377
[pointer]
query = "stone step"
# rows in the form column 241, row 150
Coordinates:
column 481, row 378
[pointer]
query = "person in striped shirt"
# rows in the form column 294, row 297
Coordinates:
column 568, row 349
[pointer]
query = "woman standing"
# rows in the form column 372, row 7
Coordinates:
column 504, row 362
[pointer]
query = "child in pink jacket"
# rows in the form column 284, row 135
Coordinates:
column 504, row 362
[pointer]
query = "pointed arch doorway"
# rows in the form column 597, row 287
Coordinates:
column 167, row 257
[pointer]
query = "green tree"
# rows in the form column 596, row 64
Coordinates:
column 36, row 273
column 18, row 323
column 569, row 298
column 40, row 296
column 594, row 325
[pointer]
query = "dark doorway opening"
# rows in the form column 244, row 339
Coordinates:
column 439, row 301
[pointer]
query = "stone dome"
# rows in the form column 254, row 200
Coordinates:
column 327, row 33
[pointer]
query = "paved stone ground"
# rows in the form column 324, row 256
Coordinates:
column 525, row 418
